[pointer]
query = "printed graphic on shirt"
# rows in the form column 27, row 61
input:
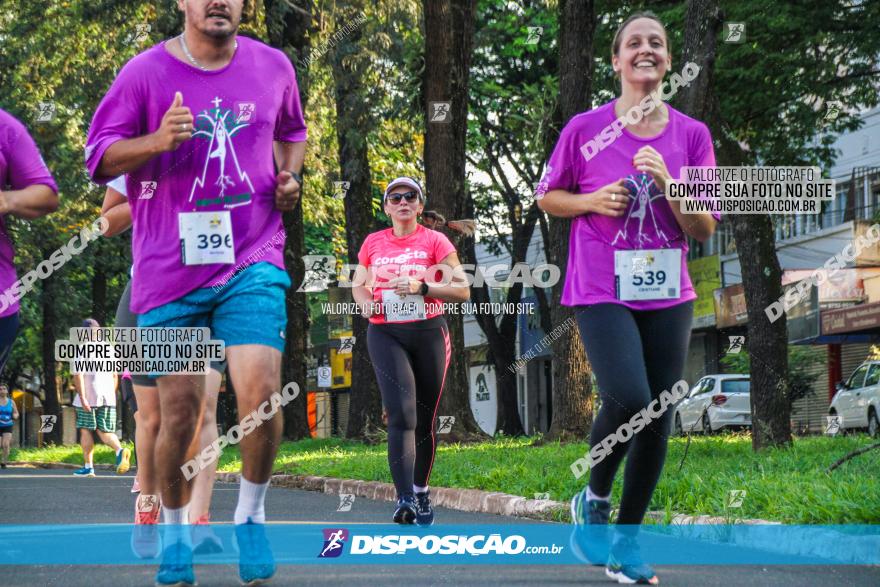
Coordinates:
column 222, row 180
column 640, row 225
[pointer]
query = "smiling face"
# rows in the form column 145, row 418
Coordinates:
column 642, row 56
column 214, row 18
column 403, row 211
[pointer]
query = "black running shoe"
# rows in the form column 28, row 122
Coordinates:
column 406, row 510
column 424, row 511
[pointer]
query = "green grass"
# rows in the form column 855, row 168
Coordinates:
column 785, row 485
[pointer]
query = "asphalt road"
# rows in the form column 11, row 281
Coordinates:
column 34, row 496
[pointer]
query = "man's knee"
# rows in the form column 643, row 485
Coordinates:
column 149, row 425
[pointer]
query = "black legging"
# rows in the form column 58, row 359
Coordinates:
column 410, row 361
column 635, row 355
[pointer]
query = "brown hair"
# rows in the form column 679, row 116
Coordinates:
column 615, row 44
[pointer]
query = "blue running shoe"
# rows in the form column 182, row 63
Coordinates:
column 84, row 472
column 625, row 564
column 176, row 568
column 424, row 511
column 255, row 562
column 406, row 510
column 589, row 538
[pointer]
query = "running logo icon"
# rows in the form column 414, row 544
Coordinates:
column 340, row 188
column 346, row 345
column 445, row 424
column 47, row 423
column 735, row 498
column 222, row 180
column 440, row 112
column 334, row 541
column 320, row 271
column 736, row 344
column 246, row 111
column 535, row 33
column 45, row 111
column 734, row 32
column 346, row 500
column 148, row 190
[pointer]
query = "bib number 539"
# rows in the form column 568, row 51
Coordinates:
column 649, row 278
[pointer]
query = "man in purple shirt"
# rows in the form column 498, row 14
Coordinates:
column 28, row 191
column 208, row 129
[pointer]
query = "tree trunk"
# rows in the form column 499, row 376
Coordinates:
column 288, row 30
column 449, row 33
column 572, row 392
column 99, row 292
column 51, row 403
column 755, row 242
column 354, row 122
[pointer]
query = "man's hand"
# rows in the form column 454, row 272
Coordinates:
column 286, row 192
column 5, row 206
column 176, row 127
column 86, row 406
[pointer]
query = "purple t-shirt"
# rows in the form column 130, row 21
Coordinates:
column 20, row 166
column 647, row 223
column 239, row 111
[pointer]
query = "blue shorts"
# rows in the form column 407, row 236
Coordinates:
column 247, row 310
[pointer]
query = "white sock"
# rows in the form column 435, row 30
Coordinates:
column 591, row 495
column 251, row 500
column 176, row 525
column 119, row 450
column 417, row 489
column 89, row 464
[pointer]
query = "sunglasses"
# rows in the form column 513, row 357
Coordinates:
column 409, row 196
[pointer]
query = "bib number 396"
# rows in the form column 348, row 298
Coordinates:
column 206, row 238
column 648, row 274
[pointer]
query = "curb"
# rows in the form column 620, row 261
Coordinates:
column 466, row 500
column 469, row 500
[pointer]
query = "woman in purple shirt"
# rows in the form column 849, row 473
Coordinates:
column 627, row 276
column 27, row 191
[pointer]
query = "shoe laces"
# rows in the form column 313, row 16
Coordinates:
column 423, row 501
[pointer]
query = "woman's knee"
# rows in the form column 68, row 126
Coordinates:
column 401, row 419
column 624, row 402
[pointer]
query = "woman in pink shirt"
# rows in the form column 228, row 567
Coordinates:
column 405, row 273
column 627, row 276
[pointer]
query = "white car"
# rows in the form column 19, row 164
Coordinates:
column 857, row 401
column 715, row 402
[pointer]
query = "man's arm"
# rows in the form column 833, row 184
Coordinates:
column 289, row 158
column 127, row 155
column 29, row 203
column 79, row 385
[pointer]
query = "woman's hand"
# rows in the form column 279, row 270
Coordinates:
column 405, row 285
column 368, row 310
column 651, row 162
column 610, row 200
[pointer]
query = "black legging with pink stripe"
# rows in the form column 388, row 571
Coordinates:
column 410, row 360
